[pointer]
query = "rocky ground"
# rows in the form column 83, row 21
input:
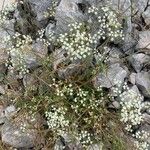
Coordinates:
column 128, row 61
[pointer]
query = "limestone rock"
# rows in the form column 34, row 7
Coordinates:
column 2, row 114
column 6, row 29
column 21, row 132
column 144, row 40
column 143, row 83
column 115, row 73
column 146, row 15
column 68, row 142
column 67, row 12
column 146, row 118
column 64, row 68
column 138, row 61
column 10, row 111
column 40, row 49
column 95, row 147
column 39, row 7
column 6, row 3
column 132, row 78
column 146, row 127
column 13, row 136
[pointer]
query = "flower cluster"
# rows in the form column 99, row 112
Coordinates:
column 85, row 138
column 79, row 98
column 77, row 42
column 83, row 104
column 131, row 102
column 141, row 142
column 40, row 35
column 51, row 10
column 108, row 24
column 19, row 45
column 56, row 120
column 5, row 13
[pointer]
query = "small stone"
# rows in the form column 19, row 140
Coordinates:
column 10, row 111
column 39, row 7
column 146, row 118
column 68, row 70
column 95, row 147
column 67, row 12
column 114, row 56
column 146, row 127
column 138, row 61
column 2, row 114
column 146, row 15
column 13, row 136
column 143, row 83
column 115, row 105
column 111, row 76
column 30, row 58
column 50, row 29
column 67, row 142
column 5, row 30
column 2, row 89
column 132, row 78
column 144, row 40
column 40, row 49
column 30, row 83
column 21, row 132
column 6, row 3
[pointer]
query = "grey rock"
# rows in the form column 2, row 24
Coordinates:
column 114, row 56
column 39, row 7
column 115, row 73
column 58, row 145
column 136, row 92
column 138, row 61
column 30, row 59
column 2, row 89
column 12, row 79
column 67, row 12
column 143, row 83
column 141, row 5
column 2, row 114
column 124, row 6
column 50, row 29
column 6, row 113
column 32, row 54
column 115, row 105
column 10, row 111
column 144, row 40
column 146, row 127
column 6, row 29
column 95, row 147
column 30, row 83
column 146, row 118
column 62, row 66
column 71, row 70
column 132, row 78
column 36, row 52
column 40, row 49
column 59, row 57
column 28, row 80
column 135, row 89
column 67, row 142
column 13, row 136
column 3, row 70
column 146, row 15
column 148, row 111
